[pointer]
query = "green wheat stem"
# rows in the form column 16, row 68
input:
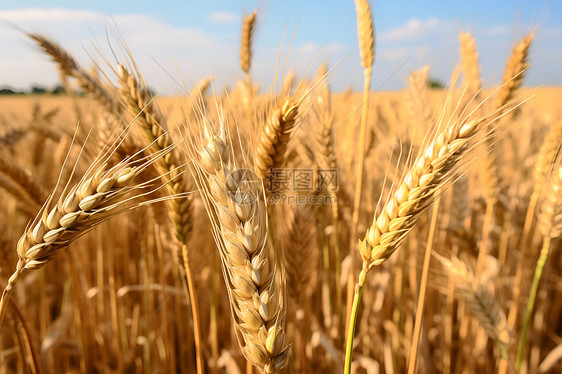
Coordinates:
column 532, row 296
column 353, row 320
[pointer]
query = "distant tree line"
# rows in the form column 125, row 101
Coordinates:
column 35, row 90
column 59, row 90
column 434, row 83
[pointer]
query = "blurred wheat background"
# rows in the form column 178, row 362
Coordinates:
column 296, row 229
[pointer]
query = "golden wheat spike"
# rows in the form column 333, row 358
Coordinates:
column 248, row 26
column 366, row 33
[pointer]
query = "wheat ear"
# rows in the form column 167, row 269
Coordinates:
column 275, row 137
column 301, row 253
column 547, row 154
column 327, row 160
column 301, row 262
column 248, row 26
column 68, row 67
column 483, row 304
column 418, row 95
column 151, row 121
column 20, row 177
column 199, row 92
column 325, row 120
column 413, row 195
column 512, row 79
column 514, row 70
column 415, row 192
column 235, row 201
column 101, row 193
column 366, row 35
column 470, row 66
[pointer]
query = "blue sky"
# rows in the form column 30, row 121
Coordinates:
column 193, row 39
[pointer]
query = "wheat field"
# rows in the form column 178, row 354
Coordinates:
column 298, row 230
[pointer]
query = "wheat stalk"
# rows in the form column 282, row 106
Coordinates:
column 327, row 160
column 414, row 194
column 418, row 97
column 248, row 27
column 550, row 226
column 547, row 154
column 325, row 119
column 152, row 122
column 235, row 202
column 366, row 35
column 470, row 66
column 101, row 193
column 153, row 125
column 275, row 137
column 301, row 253
column 512, row 79
column 416, row 191
column 24, row 179
column 513, row 73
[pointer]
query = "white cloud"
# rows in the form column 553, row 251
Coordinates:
column 50, row 15
column 435, row 42
column 415, row 29
column 160, row 49
column 224, row 17
column 165, row 52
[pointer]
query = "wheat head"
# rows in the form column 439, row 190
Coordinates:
column 415, row 192
column 470, row 66
column 248, row 26
column 101, row 193
column 275, row 136
column 235, row 201
column 151, row 121
column 366, row 33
